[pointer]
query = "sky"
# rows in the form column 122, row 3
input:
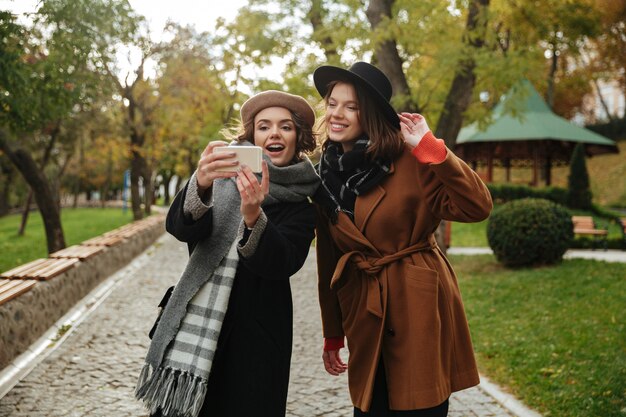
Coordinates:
column 200, row 13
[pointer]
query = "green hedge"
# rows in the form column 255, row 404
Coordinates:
column 585, row 242
column 503, row 193
column 529, row 232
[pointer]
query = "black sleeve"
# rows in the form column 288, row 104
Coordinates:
column 182, row 226
column 284, row 245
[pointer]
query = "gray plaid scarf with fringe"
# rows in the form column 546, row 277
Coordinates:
column 174, row 377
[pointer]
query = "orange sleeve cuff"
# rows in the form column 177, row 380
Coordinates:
column 333, row 343
column 430, row 150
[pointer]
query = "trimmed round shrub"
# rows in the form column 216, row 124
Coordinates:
column 529, row 232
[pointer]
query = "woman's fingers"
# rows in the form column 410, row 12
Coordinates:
column 249, row 180
column 327, row 364
column 251, row 190
column 265, row 178
column 339, row 362
column 333, row 363
column 212, row 145
column 336, row 362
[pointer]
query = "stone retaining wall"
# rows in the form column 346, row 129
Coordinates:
column 26, row 318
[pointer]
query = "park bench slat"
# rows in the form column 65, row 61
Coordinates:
column 47, row 269
column 103, row 241
column 7, row 284
column 591, row 231
column 9, row 292
column 77, row 251
column 585, row 225
column 123, row 233
column 18, row 271
column 53, row 268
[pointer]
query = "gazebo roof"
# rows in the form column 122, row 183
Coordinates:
column 535, row 127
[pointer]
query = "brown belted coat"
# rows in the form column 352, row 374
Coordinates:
column 386, row 286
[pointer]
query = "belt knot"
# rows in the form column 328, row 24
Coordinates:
column 372, row 265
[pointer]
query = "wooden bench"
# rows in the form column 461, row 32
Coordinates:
column 103, row 241
column 41, row 269
column 585, row 226
column 11, row 288
column 22, row 278
column 81, row 252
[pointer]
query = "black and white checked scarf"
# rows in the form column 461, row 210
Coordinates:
column 174, row 377
column 348, row 175
column 189, row 358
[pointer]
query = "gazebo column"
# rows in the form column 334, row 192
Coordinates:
column 535, row 166
column 507, row 165
column 548, row 170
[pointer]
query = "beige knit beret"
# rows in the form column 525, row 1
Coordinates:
column 274, row 98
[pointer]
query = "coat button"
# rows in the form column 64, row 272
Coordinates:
column 391, row 332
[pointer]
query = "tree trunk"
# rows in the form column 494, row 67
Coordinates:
column 460, row 94
column 8, row 173
column 44, row 196
column 179, row 184
column 148, row 189
column 316, row 15
column 602, row 101
column 553, row 68
column 167, row 179
column 44, row 162
column 135, row 197
column 25, row 213
column 192, row 164
column 137, row 163
column 388, row 59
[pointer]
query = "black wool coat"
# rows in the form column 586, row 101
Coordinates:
column 250, row 372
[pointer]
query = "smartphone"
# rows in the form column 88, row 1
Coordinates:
column 248, row 155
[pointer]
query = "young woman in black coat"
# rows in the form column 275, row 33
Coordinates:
column 249, row 364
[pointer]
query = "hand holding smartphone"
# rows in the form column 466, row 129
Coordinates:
column 251, row 156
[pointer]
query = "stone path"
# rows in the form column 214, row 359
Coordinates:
column 93, row 371
column 610, row 255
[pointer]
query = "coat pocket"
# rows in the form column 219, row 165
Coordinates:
column 423, row 278
column 421, row 292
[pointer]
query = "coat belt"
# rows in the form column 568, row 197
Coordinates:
column 372, row 265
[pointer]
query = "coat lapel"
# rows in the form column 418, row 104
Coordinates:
column 365, row 205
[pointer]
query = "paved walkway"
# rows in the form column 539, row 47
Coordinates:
column 93, row 369
column 611, row 255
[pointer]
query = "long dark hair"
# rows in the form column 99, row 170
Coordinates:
column 386, row 140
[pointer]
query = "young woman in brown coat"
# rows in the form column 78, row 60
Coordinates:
column 384, row 283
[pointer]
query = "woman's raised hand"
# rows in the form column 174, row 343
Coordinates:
column 210, row 162
column 413, row 127
column 252, row 192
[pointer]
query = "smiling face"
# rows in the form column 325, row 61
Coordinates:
column 275, row 132
column 342, row 115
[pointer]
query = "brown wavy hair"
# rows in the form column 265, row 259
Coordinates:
column 306, row 139
column 386, row 140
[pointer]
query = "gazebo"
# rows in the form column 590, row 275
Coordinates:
column 535, row 137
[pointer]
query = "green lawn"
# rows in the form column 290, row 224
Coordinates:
column 554, row 336
column 469, row 234
column 78, row 224
column 475, row 234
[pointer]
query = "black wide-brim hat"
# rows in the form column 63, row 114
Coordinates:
column 365, row 75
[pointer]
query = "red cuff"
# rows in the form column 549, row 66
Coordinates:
column 333, row 343
column 430, row 150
